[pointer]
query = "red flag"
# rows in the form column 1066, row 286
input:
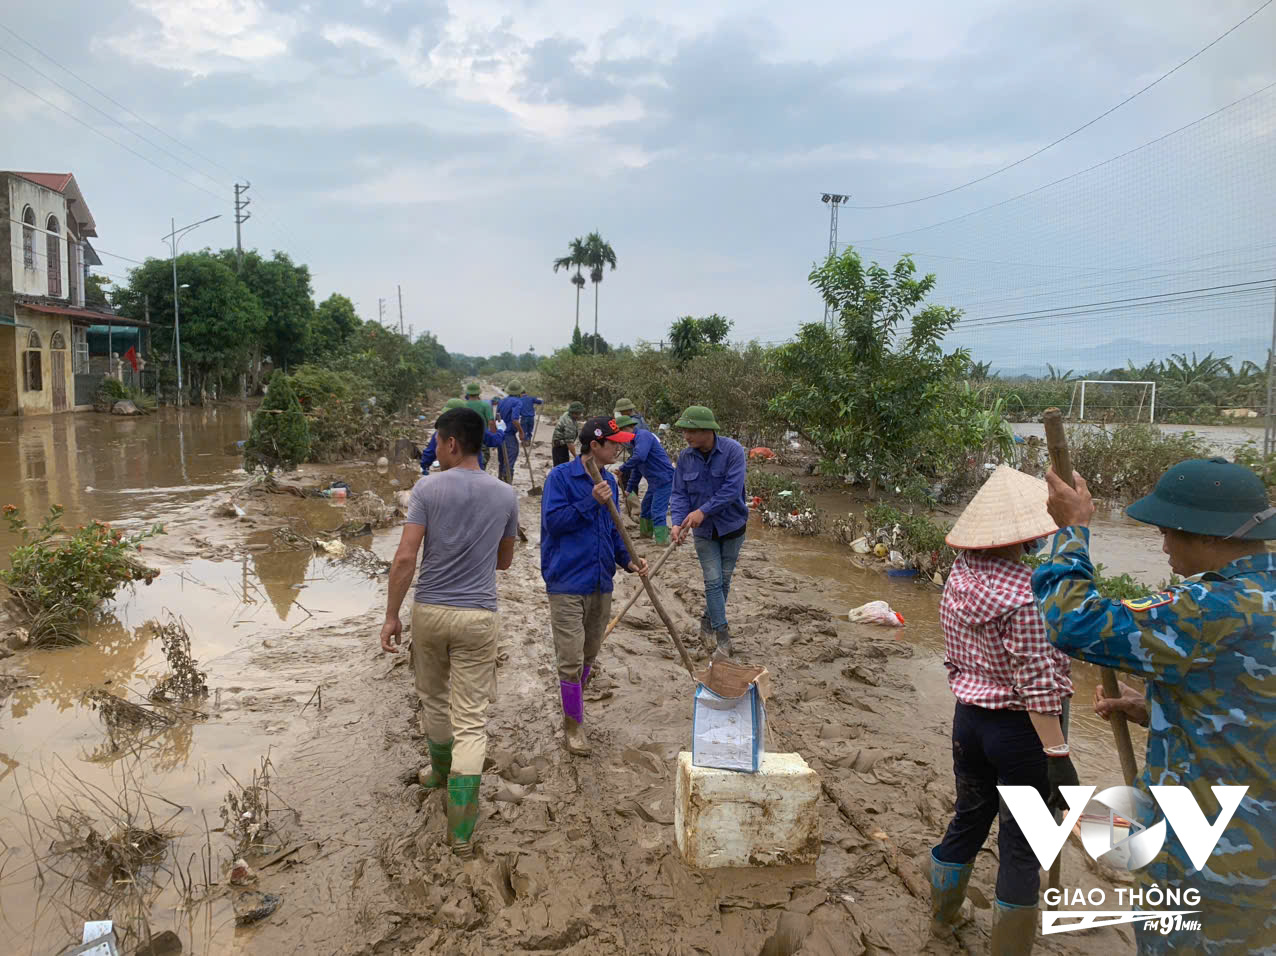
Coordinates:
column 131, row 357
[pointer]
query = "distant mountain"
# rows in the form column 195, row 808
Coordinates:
column 1117, row 353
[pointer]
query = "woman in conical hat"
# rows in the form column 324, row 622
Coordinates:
column 1011, row 686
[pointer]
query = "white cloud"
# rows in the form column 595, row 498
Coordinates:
column 205, row 36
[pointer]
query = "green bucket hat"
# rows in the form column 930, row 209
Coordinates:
column 576, row 408
column 514, row 388
column 1214, row 497
column 472, row 388
column 452, row 403
column 624, row 421
column 623, row 405
column 697, row 416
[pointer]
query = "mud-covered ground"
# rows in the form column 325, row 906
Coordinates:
column 577, row 855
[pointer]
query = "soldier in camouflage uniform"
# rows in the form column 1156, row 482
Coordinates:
column 1207, row 651
column 566, row 431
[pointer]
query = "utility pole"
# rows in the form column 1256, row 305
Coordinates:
column 1269, row 431
column 241, row 217
column 834, row 200
column 400, row 310
column 173, row 238
column 381, row 311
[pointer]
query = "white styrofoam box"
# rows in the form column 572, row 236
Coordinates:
column 727, row 818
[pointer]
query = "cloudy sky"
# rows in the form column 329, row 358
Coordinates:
column 455, row 148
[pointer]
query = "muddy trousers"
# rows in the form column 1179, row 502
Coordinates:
column 655, row 504
column 578, row 622
column 992, row 747
column 508, row 457
column 454, row 668
column 561, row 455
column 718, row 557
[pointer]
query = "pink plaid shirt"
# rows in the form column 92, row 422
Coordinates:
column 995, row 645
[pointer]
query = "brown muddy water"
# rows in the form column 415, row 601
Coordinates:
column 255, row 611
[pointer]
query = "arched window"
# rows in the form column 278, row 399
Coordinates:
column 53, row 251
column 28, row 237
column 56, row 341
column 32, row 364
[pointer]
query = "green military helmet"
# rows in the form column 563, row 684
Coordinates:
column 698, row 416
column 624, row 421
column 623, row 405
column 1214, row 497
column 576, row 408
column 473, row 389
column 452, row 403
column 514, row 388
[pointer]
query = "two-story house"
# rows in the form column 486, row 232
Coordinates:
column 45, row 224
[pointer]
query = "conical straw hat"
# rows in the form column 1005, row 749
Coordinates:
column 1009, row 509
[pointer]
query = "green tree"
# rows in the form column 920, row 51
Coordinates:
column 689, row 337
column 95, row 291
column 575, row 259
column 280, row 437
column 222, row 322
column 283, row 289
column 335, row 321
column 598, row 255
column 876, row 394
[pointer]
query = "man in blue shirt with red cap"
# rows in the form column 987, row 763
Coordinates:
column 580, row 551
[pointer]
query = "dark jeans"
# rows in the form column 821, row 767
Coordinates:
column 561, row 455
column 992, row 747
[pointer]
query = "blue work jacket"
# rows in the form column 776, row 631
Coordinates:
column 580, row 546
column 713, row 484
column 529, row 405
column 490, row 440
column 647, row 460
column 510, row 410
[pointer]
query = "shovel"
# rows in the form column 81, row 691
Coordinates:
column 535, row 489
column 634, row 597
column 646, row 581
column 1061, row 462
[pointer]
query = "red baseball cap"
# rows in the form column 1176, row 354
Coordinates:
column 602, row 428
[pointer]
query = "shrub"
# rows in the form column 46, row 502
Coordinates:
column 55, row 581
column 280, row 436
column 1262, row 465
column 113, row 389
column 782, row 502
column 316, row 387
column 1124, row 462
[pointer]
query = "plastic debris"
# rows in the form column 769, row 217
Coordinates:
column 241, row 874
column 875, row 612
column 252, row 905
column 761, row 452
column 98, row 939
column 860, row 546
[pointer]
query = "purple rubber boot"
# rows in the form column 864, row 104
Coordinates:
column 573, row 718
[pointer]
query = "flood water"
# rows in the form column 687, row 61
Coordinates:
column 135, row 471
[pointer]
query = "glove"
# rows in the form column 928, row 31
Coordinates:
column 1060, row 773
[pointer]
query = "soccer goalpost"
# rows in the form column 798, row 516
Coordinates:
column 1146, row 398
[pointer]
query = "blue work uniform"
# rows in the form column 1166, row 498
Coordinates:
column 580, row 544
column 490, row 440
column 714, row 485
column 650, row 460
column 509, row 409
column 528, row 413
column 1207, row 650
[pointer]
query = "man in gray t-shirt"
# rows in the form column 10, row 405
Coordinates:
column 463, row 522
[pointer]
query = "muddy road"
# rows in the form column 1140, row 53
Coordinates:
column 576, row 854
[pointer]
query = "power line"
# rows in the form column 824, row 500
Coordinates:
column 108, row 116
column 1064, row 179
column 1108, row 112
column 123, row 146
column 113, row 101
column 103, row 252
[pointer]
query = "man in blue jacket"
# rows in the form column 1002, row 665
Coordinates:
column 510, row 410
column 528, row 411
column 492, row 438
column 580, row 551
column 649, row 460
column 708, row 499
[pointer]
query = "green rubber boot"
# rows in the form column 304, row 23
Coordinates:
column 462, row 813
column 440, row 766
column 1014, row 929
column 661, row 534
column 948, row 883
column 645, row 528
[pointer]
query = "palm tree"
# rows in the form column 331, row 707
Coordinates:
column 598, row 253
column 575, row 258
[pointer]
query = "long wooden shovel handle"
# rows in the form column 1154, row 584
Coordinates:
column 1061, row 461
column 646, row 581
column 611, row 626
column 527, row 456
